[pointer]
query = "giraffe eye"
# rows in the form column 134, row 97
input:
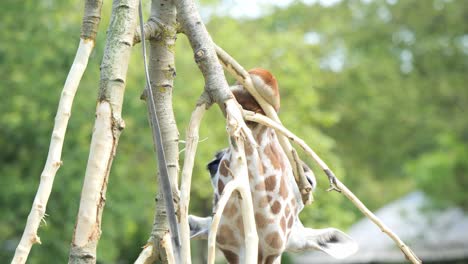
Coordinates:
column 310, row 176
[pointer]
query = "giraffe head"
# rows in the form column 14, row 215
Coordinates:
column 266, row 85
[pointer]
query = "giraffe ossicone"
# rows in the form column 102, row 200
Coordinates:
column 276, row 198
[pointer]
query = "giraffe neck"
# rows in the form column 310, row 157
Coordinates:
column 273, row 196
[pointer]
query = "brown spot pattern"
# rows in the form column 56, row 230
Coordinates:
column 276, row 207
column 283, row 224
column 271, row 154
column 287, row 210
column 223, row 168
column 263, row 201
column 260, row 169
column 260, row 186
column 274, row 240
column 220, row 186
column 260, row 134
column 230, row 210
column 230, row 256
column 226, row 236
column 290, row 221
column 250, row 175
column 269, row 197
column 260, row 220
column 248, row 149
column 271, row 259
column 270, row 183
column 240, row 225
column 283, row 191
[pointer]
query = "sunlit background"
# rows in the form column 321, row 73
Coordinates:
column 377, row 88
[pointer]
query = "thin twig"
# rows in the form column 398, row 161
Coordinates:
column 186, row 178
column 54, row 161
column 227, row 191
column 251, row 116
column 151, row 30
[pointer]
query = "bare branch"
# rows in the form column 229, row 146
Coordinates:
column 53, row 162
column 190, row 151
column 152, row 30
column 192, row 25
column 251, row 116
column 227, row 192
column 90, row 24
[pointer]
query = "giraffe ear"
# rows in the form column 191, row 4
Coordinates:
column 266, row 85
column 199, row 227
column 329, row 240
column 332, row 241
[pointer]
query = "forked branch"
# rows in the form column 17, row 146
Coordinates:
column 217, row 89
column 251, row 116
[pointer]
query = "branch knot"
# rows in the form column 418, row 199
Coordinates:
column 200, row 54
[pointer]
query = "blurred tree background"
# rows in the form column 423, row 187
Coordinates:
column 377, row 87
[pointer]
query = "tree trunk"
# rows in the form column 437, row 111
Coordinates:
column 162, row 73
column 107, row 129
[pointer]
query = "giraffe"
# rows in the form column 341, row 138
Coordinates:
column 276, row 198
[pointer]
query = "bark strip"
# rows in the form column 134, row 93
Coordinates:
column 107, row 129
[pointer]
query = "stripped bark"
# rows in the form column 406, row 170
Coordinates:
column 107, row 129
column 90, row 24
column 251, row 116
column 224, row 198
column 186, row 179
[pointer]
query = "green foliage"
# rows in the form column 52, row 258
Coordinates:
column 378, row 89
column 442, row 172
